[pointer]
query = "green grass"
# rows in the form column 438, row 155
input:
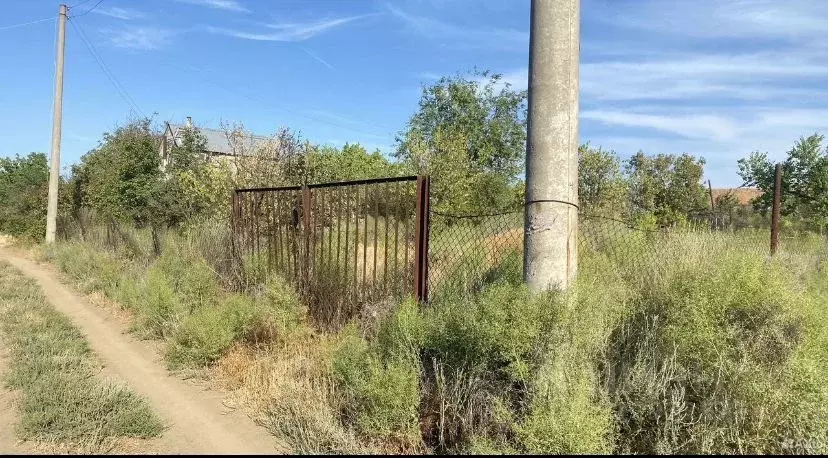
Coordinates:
column 683, row 341
column 52, row 366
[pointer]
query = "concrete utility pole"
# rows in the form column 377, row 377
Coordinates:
column 551, row 224
column 57, row 118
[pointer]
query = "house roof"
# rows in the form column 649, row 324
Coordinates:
column 217, row 140
column 743, row 195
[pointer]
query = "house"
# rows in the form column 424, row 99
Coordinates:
column 744, row 196
column 221, row 145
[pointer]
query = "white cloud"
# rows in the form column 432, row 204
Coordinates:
column 126, row 14
column 227, row 5
column 289, row 31
column 793, row 19
column 455, row 35
column 139, row 37
column 690, row 126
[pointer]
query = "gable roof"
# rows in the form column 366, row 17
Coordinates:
column 217, row 141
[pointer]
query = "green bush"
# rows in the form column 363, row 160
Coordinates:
column 207, row 333
column 161, row 310
column 714, row 356
column 381, row 396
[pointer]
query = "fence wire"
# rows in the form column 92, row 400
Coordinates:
column 468, row 251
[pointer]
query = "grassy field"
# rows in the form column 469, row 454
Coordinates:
column 681, row 342
column 62, row 401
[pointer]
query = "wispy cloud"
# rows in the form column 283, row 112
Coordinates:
column 227, row 5
column 139, row 37
column 126, row 14
column 714, row 78
column 792, row 19
column 289, row 31
column 318, row 59
column 461, row 36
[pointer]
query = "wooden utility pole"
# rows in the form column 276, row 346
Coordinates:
column 57, row 118
column 777, row 203
column 551, row 222
column 713, row 216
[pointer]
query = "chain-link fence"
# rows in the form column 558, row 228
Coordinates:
column 468, row 251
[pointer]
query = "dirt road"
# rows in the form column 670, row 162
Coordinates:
column 196, row 420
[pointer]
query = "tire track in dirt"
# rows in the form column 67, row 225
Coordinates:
column 195, row 419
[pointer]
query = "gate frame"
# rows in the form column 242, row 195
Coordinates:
column 421, row 225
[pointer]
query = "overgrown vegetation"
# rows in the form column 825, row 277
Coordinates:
column 50, row 363
column 691, row 342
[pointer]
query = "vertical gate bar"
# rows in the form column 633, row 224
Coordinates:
column 256, row 218
column 339, row 207
column 385, row 246
column 307, row 215
column 323, row 195
column 269, row 230
column 347, row 236
column 330, row 230
column 365, row 239
column 234, row 218
column 421, row 240
column 280, row 252
column 396, row 273
column 376, row 229
column 406, row 239
column 296, row 246
column 356, row 243
column 248, row 225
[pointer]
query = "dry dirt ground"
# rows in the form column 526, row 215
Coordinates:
column 196, row 420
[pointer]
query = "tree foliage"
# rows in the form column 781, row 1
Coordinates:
column 121, row 178
column 469, row 134
column 804, row 179
column 665, row 185
column 23, row 189
column 602, row 187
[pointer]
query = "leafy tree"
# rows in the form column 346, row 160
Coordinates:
column 469, row 134
column 666, row 186
column 121, row 177
column 23, row 189
column 352, row 162
column 804, row 179
column 602, row 187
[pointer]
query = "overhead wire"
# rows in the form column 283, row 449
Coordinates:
column 108, row 73
column 87, row 11
column 14, row 26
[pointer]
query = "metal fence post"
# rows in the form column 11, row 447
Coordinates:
column 777, row 202
column 421, row 239
column 307, row 229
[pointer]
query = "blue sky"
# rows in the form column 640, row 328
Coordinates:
column 714, row 78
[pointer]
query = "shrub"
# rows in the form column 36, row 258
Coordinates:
column 714, row 356
column 205, row 335
column 161, row 310
column 381, row 395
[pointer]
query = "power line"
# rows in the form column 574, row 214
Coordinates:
column 87, row 11
column 112, row 79
column 78, row 4
column 14, row 26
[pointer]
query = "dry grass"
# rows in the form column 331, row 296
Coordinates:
column 287, row 389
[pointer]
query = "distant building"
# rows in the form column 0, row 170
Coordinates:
column 744, row 196
column 221, row 145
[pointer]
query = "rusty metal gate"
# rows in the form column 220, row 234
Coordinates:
column 344, row 245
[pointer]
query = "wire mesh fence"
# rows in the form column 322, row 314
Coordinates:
column 353, row 247
column 470, row 251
